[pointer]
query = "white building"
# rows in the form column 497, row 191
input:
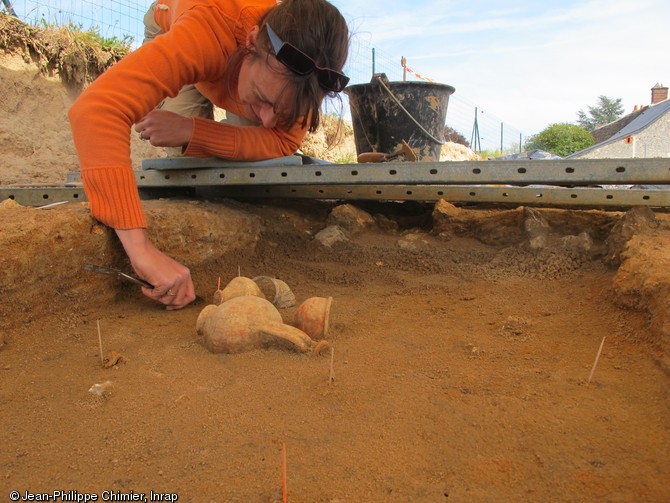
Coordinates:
column 644, row 133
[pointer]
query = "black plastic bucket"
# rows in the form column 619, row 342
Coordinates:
column 386, row 113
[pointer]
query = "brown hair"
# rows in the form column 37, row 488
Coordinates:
column 318, row 29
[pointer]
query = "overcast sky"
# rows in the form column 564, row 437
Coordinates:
column 531, row 63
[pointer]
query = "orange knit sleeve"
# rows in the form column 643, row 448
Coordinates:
column 242, row 143
column 195, row 49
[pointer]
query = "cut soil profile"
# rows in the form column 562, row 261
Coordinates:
column 464, row 339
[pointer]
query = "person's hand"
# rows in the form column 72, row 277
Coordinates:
column 172, row 281
column 165, row 129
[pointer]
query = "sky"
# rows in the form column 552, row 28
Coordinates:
column 530, row 63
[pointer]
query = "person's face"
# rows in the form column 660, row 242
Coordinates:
column 263, row 89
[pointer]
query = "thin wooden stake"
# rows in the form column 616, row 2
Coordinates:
column 596, row 362
column 102, row 355
column 239, row 271
column 284, row 490
column 331, row 373
column 218, row 285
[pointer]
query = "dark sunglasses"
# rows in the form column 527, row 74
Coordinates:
column 301, row 64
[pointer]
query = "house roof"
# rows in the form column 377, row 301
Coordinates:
column 606, row 131
column 641, row 120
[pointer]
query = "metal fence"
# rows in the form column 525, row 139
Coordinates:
column 481, row 128
column 111, row 18
column 122, row 19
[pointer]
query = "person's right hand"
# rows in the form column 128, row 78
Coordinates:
column 172, row 281
column 163, row 128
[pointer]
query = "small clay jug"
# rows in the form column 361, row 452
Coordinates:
column 239, row 286
column 313, row 317
column 246, row 323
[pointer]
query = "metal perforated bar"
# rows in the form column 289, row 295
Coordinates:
column 558, row 196
column 39, row 196
column 562, row 172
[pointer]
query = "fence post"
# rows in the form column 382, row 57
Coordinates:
column 373, row 61
column 475, row 141
column 9, row 8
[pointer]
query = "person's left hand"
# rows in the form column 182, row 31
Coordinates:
column 165, row 129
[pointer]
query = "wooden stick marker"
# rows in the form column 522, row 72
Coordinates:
column 102, row 355
column 593, row 369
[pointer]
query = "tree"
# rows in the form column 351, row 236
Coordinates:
column 561, row 139
column 607, row 110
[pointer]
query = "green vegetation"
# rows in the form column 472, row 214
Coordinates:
column 87, row 38
column 77, row 55
column 561, row 139
column 605, row 111
column 490, row 154
column 346, row 158
column 565, row 139
column 92, row 37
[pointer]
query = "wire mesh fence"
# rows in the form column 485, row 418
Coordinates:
column 482, row 129
column 122, row 20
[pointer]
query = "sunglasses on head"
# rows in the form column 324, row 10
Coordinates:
column 301, row 64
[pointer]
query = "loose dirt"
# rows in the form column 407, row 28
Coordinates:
column 463, row 342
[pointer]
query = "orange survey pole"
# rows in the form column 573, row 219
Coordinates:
column 284, row 490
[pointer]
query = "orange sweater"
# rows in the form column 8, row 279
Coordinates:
column 199, row 37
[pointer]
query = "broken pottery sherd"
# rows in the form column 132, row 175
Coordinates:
column 276, row 291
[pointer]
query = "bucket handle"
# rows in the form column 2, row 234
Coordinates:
column 381, row 81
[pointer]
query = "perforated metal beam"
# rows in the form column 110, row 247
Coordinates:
column 40, row 196
column 535, row 196
column 559, row 182
column 557, row 196
column 560, row 172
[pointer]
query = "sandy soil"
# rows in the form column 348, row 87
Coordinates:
column 464, row 339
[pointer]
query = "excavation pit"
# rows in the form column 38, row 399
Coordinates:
column 463, row 338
